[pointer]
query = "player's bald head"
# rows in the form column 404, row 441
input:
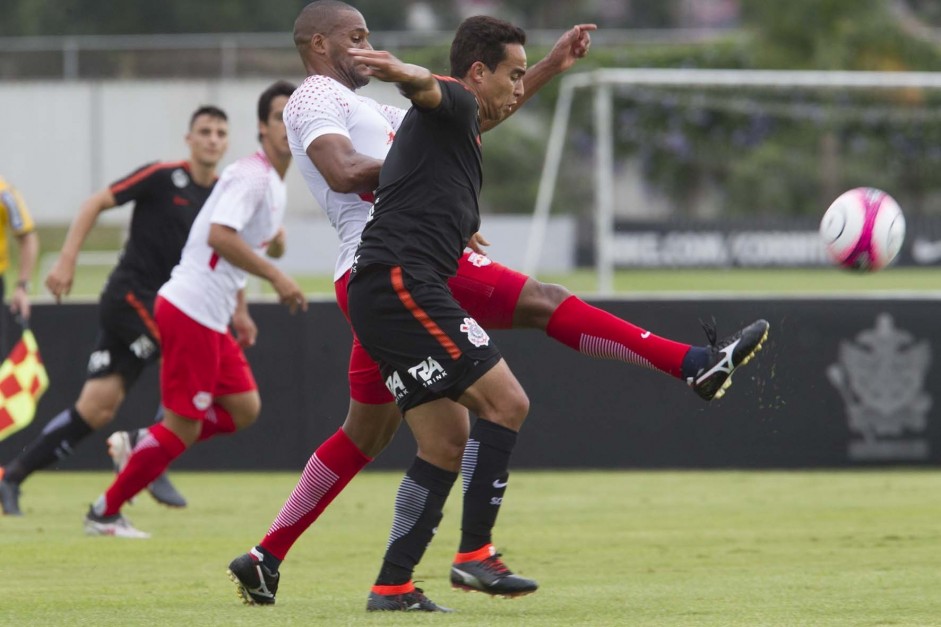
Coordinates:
column 321, row 16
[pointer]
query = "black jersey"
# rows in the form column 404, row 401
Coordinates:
column 427, row 201
column 166, row 201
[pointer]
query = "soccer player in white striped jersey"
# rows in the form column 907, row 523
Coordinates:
column 206, row 383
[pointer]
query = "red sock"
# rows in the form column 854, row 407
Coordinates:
column 477, row 555
column 596, row 333
column 149, row 459
column 404, row 588
column 217, row 421
column 328, row 470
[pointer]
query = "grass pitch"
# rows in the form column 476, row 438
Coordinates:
column 608, row 548
column 89, row 281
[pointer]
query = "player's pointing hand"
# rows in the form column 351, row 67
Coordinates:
column 572, row 46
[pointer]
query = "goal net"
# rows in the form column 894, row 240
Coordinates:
column 724, row 157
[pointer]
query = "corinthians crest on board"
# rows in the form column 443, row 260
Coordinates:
column 881, row 378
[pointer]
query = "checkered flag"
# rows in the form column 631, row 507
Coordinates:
column 23, row 379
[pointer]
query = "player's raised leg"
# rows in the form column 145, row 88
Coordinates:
column 501, row 298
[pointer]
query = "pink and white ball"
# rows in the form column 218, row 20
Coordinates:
column 863, row 229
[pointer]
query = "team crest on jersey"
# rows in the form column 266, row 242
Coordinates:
column 180, row 178
column 143, row 347
column 428, row 372
column 475, row 333
column 98, row 361
column 479, row 260
column 395, row 386
column 202, row 401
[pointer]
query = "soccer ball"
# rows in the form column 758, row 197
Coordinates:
column 863, row 229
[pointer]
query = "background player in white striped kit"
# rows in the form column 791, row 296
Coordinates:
column 206, row 383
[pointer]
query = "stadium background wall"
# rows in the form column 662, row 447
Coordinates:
column 841, row 383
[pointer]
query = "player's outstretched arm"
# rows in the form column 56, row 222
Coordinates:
column 226, row 242
column 59, row 279
column 415, row 82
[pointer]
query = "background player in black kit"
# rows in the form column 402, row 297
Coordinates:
column 430, row 351
column 167, row 197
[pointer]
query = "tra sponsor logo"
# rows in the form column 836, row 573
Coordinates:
column 395, row 386
column 497, row 500
column 428, row 372
column 180, row 178
column 479, row 260
column 881, row 379
column 98, row 361
column 143, row 347
column 475, row 333
column 202, row 400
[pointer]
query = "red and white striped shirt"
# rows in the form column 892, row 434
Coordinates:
column 250, row 197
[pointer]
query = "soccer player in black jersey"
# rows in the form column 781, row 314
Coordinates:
column 436, row 360
column 167, row 197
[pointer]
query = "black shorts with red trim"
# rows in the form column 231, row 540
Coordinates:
column 426, row 345
column 128, row 339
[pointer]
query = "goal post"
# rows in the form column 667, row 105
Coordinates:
column 602, row 82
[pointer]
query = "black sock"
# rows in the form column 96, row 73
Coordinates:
column 57, row 440
column 697, row 358
column 485, row 473
column 270, row 562
column 418, row 510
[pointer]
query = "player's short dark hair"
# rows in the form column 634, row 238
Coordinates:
column 482, row 38
column 210, row 110
column 278, row 88
column 317, row 17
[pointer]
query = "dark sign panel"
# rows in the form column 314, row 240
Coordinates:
column 840, row 383
column 752, row 244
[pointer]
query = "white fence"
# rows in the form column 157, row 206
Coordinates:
column 64, row 140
